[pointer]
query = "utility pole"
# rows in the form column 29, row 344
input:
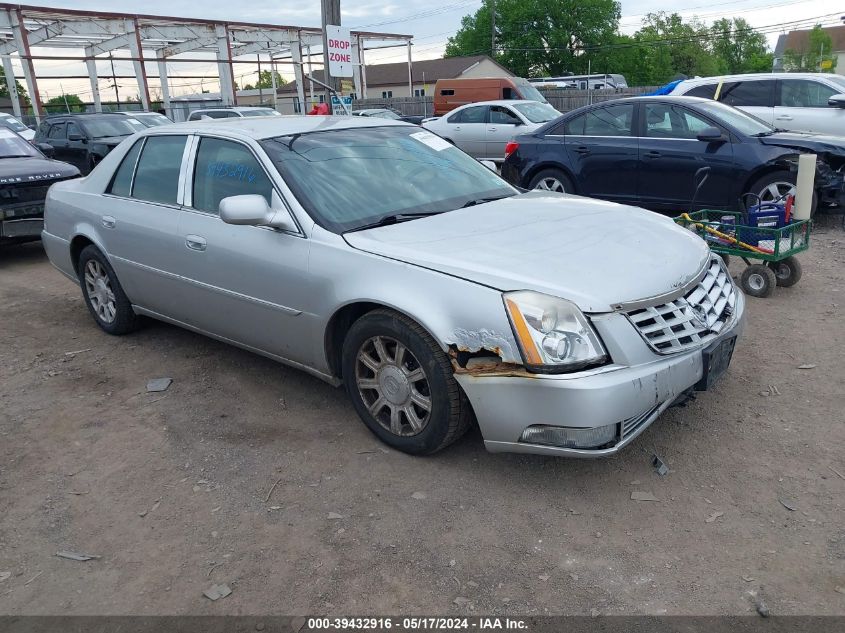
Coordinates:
column 330, row 13
column 114, row 81
column 492, row 28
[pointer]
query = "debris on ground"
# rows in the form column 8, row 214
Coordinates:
column 76, row 556
column 762, row 607
column 836, row 472
column 641, row 495
column 748, row 579
column 659, row 466
column 787, row 504
column 460, row 601
column 272, row 488
column 419, row 496
column 334, row 515
column 82, row 351
column 713, row 517
column 807, row 366
column 215, row 592
column 5, row 575
column 452, row 563
column 158, row 384
column 544, row 577
column 839, row 589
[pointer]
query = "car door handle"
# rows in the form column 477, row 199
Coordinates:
column 783, row 117
column 108, row 222
column 651, row 155
column 457, row 127
column 195, row 242
column 582, row 150
column 491, row 129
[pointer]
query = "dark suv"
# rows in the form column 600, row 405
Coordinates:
column 84, row 139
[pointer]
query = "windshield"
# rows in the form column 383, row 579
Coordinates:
column 152, row 120
column 12, row 123
column 260, row 112
column 529, row 92
column 350, row 178
column 838, row 80
column 739, row 120
column 13, row 146
column 536, row 112
column 112, row 126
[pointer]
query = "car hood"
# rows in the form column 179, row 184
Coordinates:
column 594, row 253
column 34, row 169
column 811, row 142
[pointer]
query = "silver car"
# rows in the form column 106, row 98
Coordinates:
column 373, row 254
column 483, row 129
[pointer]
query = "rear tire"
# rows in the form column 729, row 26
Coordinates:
column 402, row 385
column 775, row 184
column 758, row 280
column 552, row 180
column 103, row 293
column 787, row 271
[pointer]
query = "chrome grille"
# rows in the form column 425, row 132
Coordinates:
column 691, row 320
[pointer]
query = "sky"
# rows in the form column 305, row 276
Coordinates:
column 430, row 23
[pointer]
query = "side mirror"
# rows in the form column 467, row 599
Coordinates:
column 253, row 210
column 710, row 135
column 75, row 137
column 489, row 164
column 837, row 101
column 48, row 150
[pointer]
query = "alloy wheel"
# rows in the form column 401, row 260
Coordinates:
column 550, row 184
column 777, row 191
column 393, row 386
column 99, row 290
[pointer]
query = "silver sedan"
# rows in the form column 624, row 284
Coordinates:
column 375, row 255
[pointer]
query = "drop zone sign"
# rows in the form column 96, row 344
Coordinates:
column 340, row 51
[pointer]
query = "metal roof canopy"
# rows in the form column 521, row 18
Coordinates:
column 24, row 27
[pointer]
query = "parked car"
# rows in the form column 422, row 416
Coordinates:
column 646, row 150
column 148, row 119
column 483, row 129
column 582, row 82
column 83, row 140
column 25, row 176
column 231, row 113
column 371, row 253
column 15, row 124
column 389, row 113
column 798, row 102
column 453, row 93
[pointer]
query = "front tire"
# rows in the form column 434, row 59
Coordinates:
column 758, row 280
column 402, row 385
column 552, row 180
column 776, row 186
column 103, row 293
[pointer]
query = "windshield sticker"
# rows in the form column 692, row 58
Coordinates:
column 243, row 173
column 432, row 140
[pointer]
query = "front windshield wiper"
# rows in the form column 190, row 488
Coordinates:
column 394, row 218
column 472, row 203
column 766, row 133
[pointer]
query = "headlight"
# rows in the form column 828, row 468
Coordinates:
column 553, row 333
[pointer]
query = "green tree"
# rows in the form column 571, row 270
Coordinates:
column 674, row 47
column 64, row 103
column 815, row 56
column 738, row 48
column 538, row 37
column 4, row 90
column 265, row 80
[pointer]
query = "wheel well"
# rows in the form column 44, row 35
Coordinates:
column 536, row 170
column 760, row 173
column 77, row 244
column 337, row 328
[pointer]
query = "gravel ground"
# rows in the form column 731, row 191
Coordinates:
column 248, row 473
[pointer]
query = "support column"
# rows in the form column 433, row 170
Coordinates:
column 296, row 57
column 162, row 78
column 410, row 72
column 310, row 74
column 91, row 63
column 22, row 43
column 138, row 62
column 273, row 82
column 356, row 69
column 224, row 66
column 9, row 72
column 363, row 69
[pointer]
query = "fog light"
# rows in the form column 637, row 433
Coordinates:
column 567, row 437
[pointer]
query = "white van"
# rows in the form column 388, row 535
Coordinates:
column 798, row 102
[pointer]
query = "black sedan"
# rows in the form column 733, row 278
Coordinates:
column 645, row 151
column 25, row 176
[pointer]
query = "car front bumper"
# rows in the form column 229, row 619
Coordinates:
column 629, row 397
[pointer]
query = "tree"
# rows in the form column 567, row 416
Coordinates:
column 4, row 90
column 64, row 103
column 538, row 37
column 265, row 80
column 815, row 56
column 738, row 48
column 674, row 47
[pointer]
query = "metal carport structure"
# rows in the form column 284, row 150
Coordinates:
column 159, row 39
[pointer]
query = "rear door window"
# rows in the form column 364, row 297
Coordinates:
column 670, row 121
column 226, row 168
column 121, row 184
column 157, row 174
column 804, row 93
column 58, row 131
column 748, row 93
column 503, row 116
column 476, row 114
column 705, row 91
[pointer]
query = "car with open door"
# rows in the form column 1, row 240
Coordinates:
column 645, row 151
column 375, row 255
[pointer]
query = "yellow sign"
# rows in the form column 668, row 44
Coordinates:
column 347, row 86
column 827, row 64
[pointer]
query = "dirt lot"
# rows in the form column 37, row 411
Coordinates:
column 170, row 490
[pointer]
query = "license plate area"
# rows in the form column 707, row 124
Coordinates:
column 21, row 228
column 715, row 360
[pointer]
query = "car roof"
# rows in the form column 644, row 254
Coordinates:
column 261, row 127
column 747, row 76
column 498, row 102
column 640, row 99
column 82, row 114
